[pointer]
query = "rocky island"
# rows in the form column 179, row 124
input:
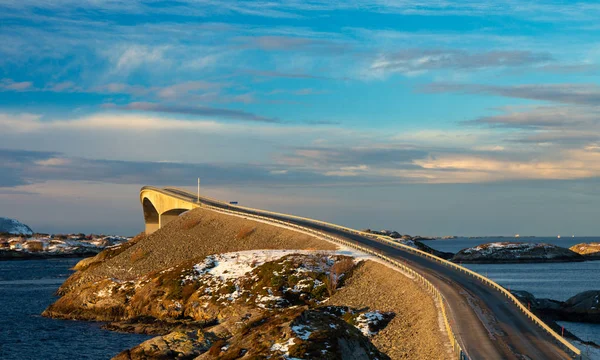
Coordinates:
column 590, row 251
column 216, row 286
column 19, row 242
column 515, row 252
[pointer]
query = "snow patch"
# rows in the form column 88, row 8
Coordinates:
column 303, row 331
column 368, row 320
column 14, row 227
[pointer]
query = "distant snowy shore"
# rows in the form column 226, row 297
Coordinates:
column 43, row 247
column 515, row 252
column 18, row 242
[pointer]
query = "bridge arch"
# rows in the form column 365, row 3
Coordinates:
column 151, row 216
column 170, row 215
column 161, row 208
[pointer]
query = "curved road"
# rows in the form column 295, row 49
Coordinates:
column 488, row 325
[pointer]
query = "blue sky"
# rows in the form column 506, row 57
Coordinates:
column 438, row 117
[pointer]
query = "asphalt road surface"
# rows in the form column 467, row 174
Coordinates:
column 487, row 324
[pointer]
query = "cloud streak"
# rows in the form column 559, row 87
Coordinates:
column 417, row 60
column 193, row 110
column 579, row 94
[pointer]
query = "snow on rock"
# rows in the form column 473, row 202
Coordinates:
column 303, row 331
column 14, row 227
column 236, row 264
column 268, row 279
column 516, row 252
column 49, row 246
column 283, row 347
column 368, row 322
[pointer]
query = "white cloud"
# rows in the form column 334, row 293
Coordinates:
column 54, row 162
column 126, row 58
column 433, row 156
column 10, row 85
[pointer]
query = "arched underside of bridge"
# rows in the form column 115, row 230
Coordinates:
column 160, row 209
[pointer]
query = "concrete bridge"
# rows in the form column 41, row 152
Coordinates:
column 486, row 320
column 161, row 208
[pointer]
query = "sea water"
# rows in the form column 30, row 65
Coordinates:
column 27, row 287
column 558, row 281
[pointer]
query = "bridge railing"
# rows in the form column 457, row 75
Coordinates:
column 391, row 242
column 457, row 350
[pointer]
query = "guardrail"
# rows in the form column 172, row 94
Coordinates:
column 456, row 348
column 391, row 242
column 494, row 285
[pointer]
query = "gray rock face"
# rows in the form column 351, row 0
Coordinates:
column 175, row 345
column 511, row 252
column 11, row 226
column 583, row 307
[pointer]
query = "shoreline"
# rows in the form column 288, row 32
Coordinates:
column 16, row 256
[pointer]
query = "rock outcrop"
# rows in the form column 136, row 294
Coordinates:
column 591, row 251
column 513, row 252
column 428, row 249
column 202, row 287
column 583, row 307
column 412, row 241
column 175, row 345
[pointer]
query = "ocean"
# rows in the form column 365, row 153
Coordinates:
column 558, row 281
column 26, row 288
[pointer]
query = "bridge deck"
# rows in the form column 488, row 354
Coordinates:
column 487, row 324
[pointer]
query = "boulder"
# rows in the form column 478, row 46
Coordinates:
column 395, row 235
column 583, row 307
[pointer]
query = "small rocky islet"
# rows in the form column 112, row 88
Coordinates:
column 590, row 251
column 212, row 286
column 583, row 307
column 516, row 252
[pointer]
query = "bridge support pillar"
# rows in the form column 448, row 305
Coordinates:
column 169, row 216
column 160, row 208
column 151, row 227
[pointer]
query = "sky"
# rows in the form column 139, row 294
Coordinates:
column 426, row 117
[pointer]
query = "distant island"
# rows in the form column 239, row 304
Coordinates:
column 499, row 251
column 19, row 242
column 516, row 252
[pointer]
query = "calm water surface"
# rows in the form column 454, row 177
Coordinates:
column 26, row 289
column 557, row 281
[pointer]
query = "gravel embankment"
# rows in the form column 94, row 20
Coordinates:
column 199, row 233
column 414, row 333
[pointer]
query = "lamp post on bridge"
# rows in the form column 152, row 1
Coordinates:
column 198, row 190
